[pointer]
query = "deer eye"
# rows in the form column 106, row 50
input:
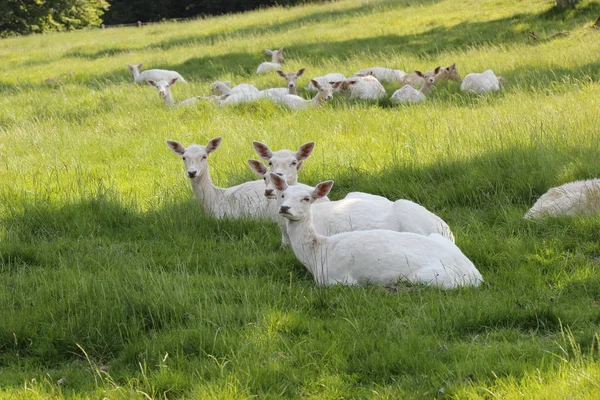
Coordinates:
column 183, row 158
column 282, row 196
column 306, row 199
column 264, row 178
column 204, row 157
column 270, row 163
column 294, row 162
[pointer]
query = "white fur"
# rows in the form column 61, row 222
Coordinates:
column 483, row 82
column 291, row 79
column 164, row 92
column 408, row 94
column 242, row 201
column 276, row 57
column 383, row 74
column 285, row 163
column 294, row 102
column 329, row 78
column 363, row 87
column 378, row 257
column 153, row 74
column 363, row 211
column 573, row 198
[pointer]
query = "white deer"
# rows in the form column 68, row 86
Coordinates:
column 362, row 211
column 379, row 257
column 242, row 201
column 573, row 198
column 276, row 58
column 153, row 74
column 164, row 92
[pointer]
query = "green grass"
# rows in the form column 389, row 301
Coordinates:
column 114, row 282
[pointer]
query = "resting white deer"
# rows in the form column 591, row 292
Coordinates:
column 377, row 256
column 408, row 94
column 363, row 211
column 294, row 102
column 164, row 92
column 483, row 82
column 285, row 163
column 361, row 87
column 276, row 58
column 153, row 74
column 291, row 79
column 329, row 78
column 383, row 74
column 573, row 198
column 242, row 201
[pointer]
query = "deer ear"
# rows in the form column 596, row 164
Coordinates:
column 322, row 189
column 172, row 81
column 262, row 150
column 299, row 165
column 419, row 73
column 176, row 147
column 300, row 72
column 352, row 82
column 140, row 65
column 281, row 73
column 336, row 84
column 453, row 66
column 315, row 83
column 269, row 52
column 435, row 71
column 305, row 151
column 259, row 168
column 280, row 50
column 151, row 82
column 130, row 67
column 213, row 144
column 279, row 183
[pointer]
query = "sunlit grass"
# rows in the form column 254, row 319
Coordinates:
column 114, row 284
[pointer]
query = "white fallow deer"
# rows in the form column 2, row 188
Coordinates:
column 570, row 199
column 276, row 58
column 153, row 74
column 408, row 94
column 242, row 201
column 380, row 257
column 324, row 94
column 285, row 163
column 164, row 92
column 291, row 79
column 363, row 211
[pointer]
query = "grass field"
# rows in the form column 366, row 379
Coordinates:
column 113, row 284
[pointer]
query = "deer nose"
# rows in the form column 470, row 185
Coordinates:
column 284, row 209
column 192, row 174
column 279, row 173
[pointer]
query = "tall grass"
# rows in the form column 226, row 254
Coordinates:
column 114, row 284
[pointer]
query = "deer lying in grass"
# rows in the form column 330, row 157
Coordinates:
column 285, row 163
column 153, row 74
column 276, row 58
column 573, row 198
column 291, row 79
column 480, row 83
column 164, row 92
column 378, row 256
column 242, row 201
column 363, row 211
column 383, row 74
column 408, row 94
column 329, row 78
column 361, row 87
column 325, row 93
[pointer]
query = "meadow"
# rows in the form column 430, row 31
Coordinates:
column 114, row 284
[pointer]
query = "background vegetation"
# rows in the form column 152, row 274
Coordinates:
column 113, row 284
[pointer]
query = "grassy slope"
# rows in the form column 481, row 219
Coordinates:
column 105, row 259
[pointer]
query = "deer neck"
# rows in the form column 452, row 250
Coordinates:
column 208, row 195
